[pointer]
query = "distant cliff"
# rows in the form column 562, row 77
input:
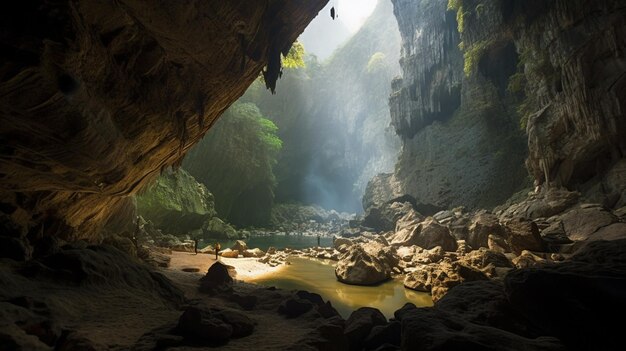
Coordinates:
column 488, row 84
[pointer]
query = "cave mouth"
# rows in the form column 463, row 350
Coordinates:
column 161, row 187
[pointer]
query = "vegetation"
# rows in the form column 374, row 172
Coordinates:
column 473, row 54
column 295, row 56
column 235, row 160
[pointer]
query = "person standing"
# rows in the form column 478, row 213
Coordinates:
column 217, row 250
column 318, row 240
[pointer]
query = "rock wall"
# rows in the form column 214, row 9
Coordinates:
column 461, row 142
column 478, row 74
column 98, row 97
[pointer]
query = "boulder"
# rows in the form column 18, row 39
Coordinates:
column 240, row 246
column 219, row 278
column 217, row 228
column 440, row 278
column 482, row 225
column 386, row 337
column 212, row 326
column 548, row 202
column 581, row 223
column 523, row 234
column 359, row 267
column 428, row 256
column 498, row 244
column 256, row 252
column 360, row 323
column 338, row 242
column 228, row 253
column 486, row 260
column 428, row 234
column 527, row 259
column 384, row 217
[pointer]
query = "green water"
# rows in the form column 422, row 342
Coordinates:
column 319, row 277
column 280, row 242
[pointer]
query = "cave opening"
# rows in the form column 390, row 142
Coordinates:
column 312, row 175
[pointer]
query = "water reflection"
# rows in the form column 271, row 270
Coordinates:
column 319, row 276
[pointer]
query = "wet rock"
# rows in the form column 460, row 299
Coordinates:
column 219, row 278
column 428, row 234
column 362, row 267
column 481, row 226
column 360, row 324
column 523, row 234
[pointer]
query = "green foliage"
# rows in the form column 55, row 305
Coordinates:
column 517, row 83
column 236, row 157
column 376, row 63
column 457, row 5
column 473, row 54
column 295, row 56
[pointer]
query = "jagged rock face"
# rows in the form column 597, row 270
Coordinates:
column 575, row 71
column 99, row 97
column 460, row 144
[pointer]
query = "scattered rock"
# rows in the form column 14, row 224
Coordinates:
column 523, row 234
column 527, row 259
column 482, row 225
column 428, row 234
column 498, row 244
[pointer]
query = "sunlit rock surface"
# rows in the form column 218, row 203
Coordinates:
column 99, row 97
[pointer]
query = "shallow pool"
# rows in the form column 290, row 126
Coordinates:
column 319, row 277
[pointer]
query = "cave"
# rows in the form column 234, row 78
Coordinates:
column 312, row 175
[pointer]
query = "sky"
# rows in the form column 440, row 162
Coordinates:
column 324, row 35
column 353, row 12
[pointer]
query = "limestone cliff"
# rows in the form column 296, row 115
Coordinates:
column 98, row 97
column 461, row 143
column 478, row 74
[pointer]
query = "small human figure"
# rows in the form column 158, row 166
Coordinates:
column 318, row 240
column 195, row 245
column 217, row 250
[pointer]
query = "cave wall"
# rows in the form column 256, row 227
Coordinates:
column 489, row 84
column 461, row 140
column 98, row 97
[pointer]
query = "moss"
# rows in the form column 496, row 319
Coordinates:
column 474, row 53
column 517, row 83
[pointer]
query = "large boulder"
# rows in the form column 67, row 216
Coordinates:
column 240, row 246
column 486, row 260
column 581, row 223
column 176, row 203
column 360, row 324
column 229, row 253
column 217, row 228
column 439, row 278
column 523, row 234
column 384, row 217
column 482, row 225
column 428, row 234
column 546, row 203
column 362, row 265
column 219, row 278
column 256, row 252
